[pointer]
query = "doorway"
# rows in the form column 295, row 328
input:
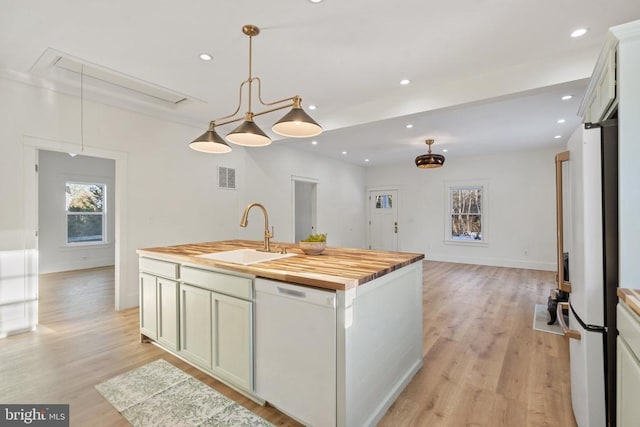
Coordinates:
column 32, row 145
column 383, row 220
column 304, row 207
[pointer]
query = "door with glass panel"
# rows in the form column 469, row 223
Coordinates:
column 383, row 220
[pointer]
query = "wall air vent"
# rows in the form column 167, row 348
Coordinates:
column 103, row 82
column 226, row 178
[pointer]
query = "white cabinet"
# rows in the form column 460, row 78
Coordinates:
column 167, row 312
column 159, row 301
column 233, row 339
column 216, row 328
column 148, row 306
column 195, row 325
column 628, row 410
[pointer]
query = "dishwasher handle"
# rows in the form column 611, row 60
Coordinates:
column 292, row 292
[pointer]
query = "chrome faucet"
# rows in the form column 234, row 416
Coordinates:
column 267, row 234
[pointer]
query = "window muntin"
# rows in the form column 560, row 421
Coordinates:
column 86, row 208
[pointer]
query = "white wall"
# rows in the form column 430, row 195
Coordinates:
column 166, row 192
column 521, row 202
column 341, row 207
column 55, row 169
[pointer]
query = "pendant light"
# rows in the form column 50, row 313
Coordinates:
column 296, row 123
column 430, row 160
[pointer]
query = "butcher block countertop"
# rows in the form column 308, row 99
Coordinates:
column 336, row 268
column 631, row 297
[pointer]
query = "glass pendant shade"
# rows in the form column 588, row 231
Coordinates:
column 210, row 142
column 429, row 160
column 249, row 134
column 297, row 124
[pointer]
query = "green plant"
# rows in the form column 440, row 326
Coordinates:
column 315, row 238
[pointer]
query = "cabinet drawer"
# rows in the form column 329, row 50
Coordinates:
column 629, row 328
column 228, row 284
column 160, row 268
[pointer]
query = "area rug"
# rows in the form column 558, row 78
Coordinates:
column 159, row 394
column 541, row 317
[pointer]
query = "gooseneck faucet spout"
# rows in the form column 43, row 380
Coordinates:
column 267, row 234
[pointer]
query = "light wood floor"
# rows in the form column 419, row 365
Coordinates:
column 483, row 365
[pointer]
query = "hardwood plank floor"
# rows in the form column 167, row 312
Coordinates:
column 483, row 365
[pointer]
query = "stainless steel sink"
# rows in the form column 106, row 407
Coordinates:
column 245, row 256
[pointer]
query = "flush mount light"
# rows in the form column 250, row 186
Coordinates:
column 430, row 160
column 579, row 32
column 314, row 142
column 405, row 82
column 296, row 123
column 445, row 151
column 315, row 1
column 567, row 97
column 312, row 107
column 557, row 137
column 561, row 121
column 366, row 160
column 409, row 126
column 206, row 57
column 344, row 152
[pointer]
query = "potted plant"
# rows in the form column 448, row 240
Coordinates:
column 314, row 244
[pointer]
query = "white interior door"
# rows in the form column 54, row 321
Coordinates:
column 383, row 220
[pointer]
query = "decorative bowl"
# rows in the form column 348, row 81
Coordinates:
column 313, row 248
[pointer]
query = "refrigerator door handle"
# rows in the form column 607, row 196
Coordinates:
column 569, row 333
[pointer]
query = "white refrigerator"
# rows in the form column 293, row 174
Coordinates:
column 591, row 224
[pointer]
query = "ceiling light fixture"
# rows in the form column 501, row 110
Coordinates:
column 344, row 152
column 579, row 32
column 429, row 160
column 405, row 82
column 312, row 107
column 560, row 121
column 567, row 97
column 314, row 142
column 558, row 136
column 366, row 160
column 206, row 57
column 296, row 123
column 409, row 126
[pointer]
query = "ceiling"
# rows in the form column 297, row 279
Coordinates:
column 486, row 75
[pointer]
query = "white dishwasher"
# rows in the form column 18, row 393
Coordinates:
column 295, row 350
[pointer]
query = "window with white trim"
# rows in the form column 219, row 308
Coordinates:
column 86, row 213
column 466, row 213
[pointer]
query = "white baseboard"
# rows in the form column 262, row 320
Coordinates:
column 494, row 262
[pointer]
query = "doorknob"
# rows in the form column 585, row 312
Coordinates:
column 395, row 227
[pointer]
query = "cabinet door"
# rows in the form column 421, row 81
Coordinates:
column 195, row 325
column 233, row 340
column 628, row 386
column 148, row 308
column 168, row 313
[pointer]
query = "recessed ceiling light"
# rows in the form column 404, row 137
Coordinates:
column 409, row 126
column 558, row 136
column 312, row 107
column 405, row 82
column 579, row 32
column 561, row 120
column 344, row 152
column 445, row 151
column 366, row 160
column 72, row 154
column 206, row 57
column 566, row 97
column 314, row 142
column 315, row 1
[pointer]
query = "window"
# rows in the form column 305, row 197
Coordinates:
column 466, row 214
column 85, row 207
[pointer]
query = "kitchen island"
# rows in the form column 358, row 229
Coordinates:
column 330, row 339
